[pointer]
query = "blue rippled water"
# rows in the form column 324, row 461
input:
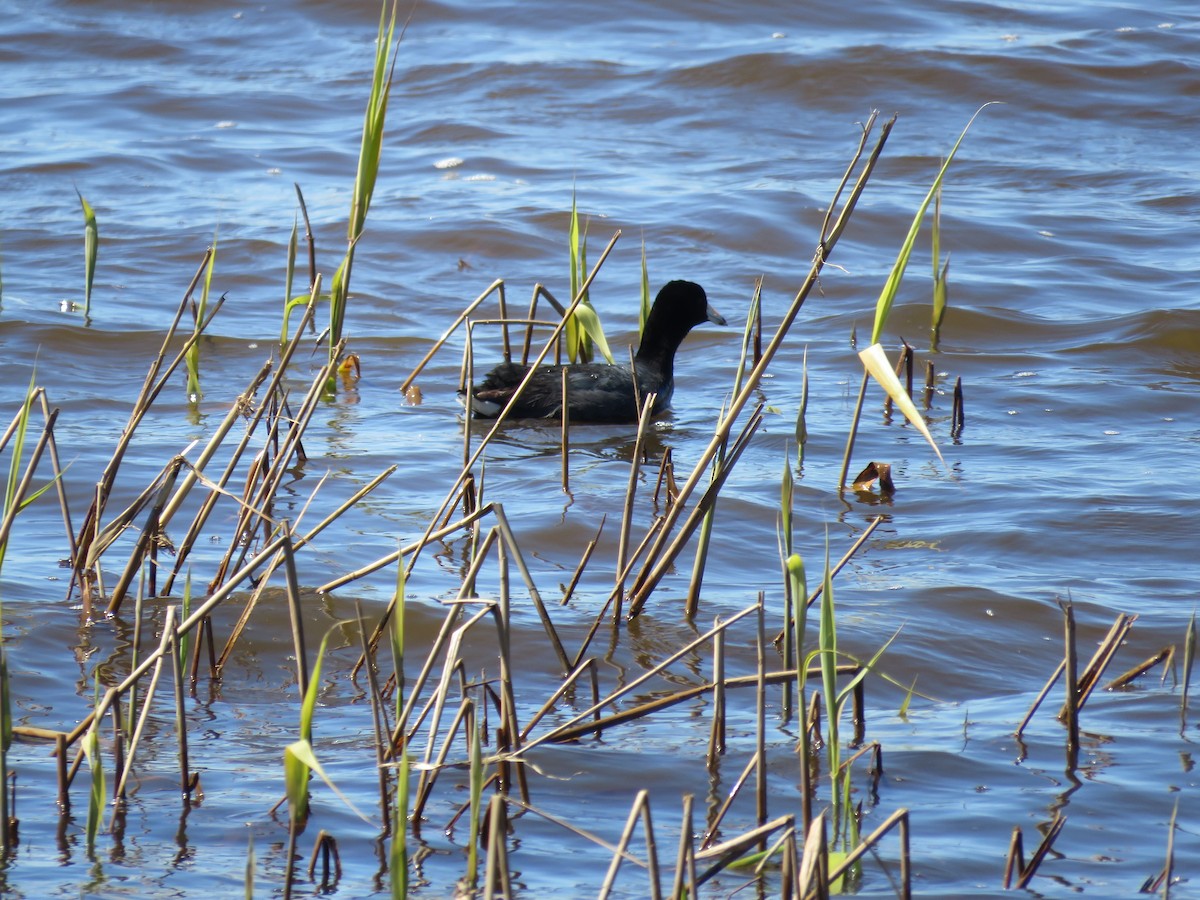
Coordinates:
column 715, row 134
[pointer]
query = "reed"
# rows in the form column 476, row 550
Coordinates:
column 369, row 156
column 91, row 248
column 873, row 357
column 192, row 357
column 941, row 274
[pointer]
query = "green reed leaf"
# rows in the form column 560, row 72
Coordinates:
column 91, row 247
column 888, row 295
column 876, row 362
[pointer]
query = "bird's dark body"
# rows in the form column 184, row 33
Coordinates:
column 597, row 392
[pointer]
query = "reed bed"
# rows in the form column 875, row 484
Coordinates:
column 445, row 734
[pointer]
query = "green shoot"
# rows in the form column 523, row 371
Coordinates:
column 646, row 299
column 584, row 332
column 289, row 303
column 370, row 153
column 96, row 801
column 91, row 245
column 940, row 273
column 192, row 359
column 827, row 648
column 802, row 413
column 888, row 295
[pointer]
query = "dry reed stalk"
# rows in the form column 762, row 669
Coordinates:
column 57, row 472
column 685, row 861
column 692, row 600
column 1025, row 872
column 237, row 408
column 509, row 732
column 587, row 666
column 714, row 826
column 298, row 543
column 666, row 476
column 637, row 682
column 510, row 542
column 662, row 555
column 635, row 464
column 1102, row 657
column 640, row 809
column 380, row 723
column 614, row 595
column 814, row 863
column 325, row 850
column 497, row 881
column 760, row 717
column 149, row 535
column 583, row 561
column 451, row 664
column 186, row 780
column 156, row 379
column 716, row 737
column 1127, row 678
column 295, row 614
column 407, row 550
column 497, row 285
column 168, row 635
column 656, row 567
column 453, row 612
column 565, row 428
column 255, row 512
column 904, row 366
column 432, row 766
column 570, row 732
column 958, row 417
column 1037, row 701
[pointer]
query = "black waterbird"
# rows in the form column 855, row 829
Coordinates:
column 598, row 392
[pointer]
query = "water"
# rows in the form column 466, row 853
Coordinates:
column 716, row 136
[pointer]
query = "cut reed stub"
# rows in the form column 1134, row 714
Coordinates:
column 876, row 471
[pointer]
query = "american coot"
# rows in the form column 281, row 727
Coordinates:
column 598, row 392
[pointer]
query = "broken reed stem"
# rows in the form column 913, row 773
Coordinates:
column 565, row 425
column 635, row 465
column 583, row 561
column 685, row 861
column 957, row 416
column 656, row 567
column 716, row 739
column 1071, row 707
